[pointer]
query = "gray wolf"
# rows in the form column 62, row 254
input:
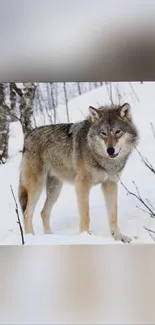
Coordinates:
column 90, row 152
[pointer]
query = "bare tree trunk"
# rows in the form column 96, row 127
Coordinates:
column 109, row 89
column 56, row 94
column 53, row 101
column 49, row 103
column 26, row 96
column 13, row 100
column 66, row 100
column 79, row 88
column 90, row 86
column 119, row 96
column 110, row 92
column 95, row 85
column 43, row 105
column 40, row 102
column 4, row 127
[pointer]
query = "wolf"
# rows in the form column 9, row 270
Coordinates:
column 90, row 152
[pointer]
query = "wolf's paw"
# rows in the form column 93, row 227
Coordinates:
column 125, row 239
column 118, row 236
column 89, row 232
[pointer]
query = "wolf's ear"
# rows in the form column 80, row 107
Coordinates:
column 125, row 111
column 94, row 113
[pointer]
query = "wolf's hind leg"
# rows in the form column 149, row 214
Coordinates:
column 53, row 189
column 34, row 189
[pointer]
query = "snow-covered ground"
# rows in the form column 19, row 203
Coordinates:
column 64, row 218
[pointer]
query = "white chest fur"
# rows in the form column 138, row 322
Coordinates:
column 101, row 176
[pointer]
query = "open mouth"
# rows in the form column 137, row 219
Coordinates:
column 114, row 155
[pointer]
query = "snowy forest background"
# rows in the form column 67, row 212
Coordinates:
column 23, row 102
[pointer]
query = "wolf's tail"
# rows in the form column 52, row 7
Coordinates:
column 23, row 196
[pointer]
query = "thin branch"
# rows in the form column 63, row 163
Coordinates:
column 20, row 226
column 118, row 95
column 142, row 201
column 153, row 131
column 138, row 196
column 109, row 90
column 150, row 204
column 131, row 86
column 151, row 166
column 146, row 162
column 149, row 230
column 143, row 210
column 99, row 104
column 137, row 189
column 82, row 113
column 150, row 233
column 9, row 112
column 151, row 236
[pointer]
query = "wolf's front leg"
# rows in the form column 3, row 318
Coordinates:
column 82, row 192
column 110, row 195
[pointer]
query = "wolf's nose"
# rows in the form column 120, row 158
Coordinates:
column 110, row 151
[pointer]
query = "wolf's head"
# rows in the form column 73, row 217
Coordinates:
column 112, row 133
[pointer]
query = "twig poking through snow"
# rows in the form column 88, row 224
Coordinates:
column 20, row 226
column 150, row 204
column 143, row 210
column 146, row 162
column 138, row 196
column 150, row 233
column 149, row 230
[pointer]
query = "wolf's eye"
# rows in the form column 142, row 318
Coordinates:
column 103, row 133
column 118, row 132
